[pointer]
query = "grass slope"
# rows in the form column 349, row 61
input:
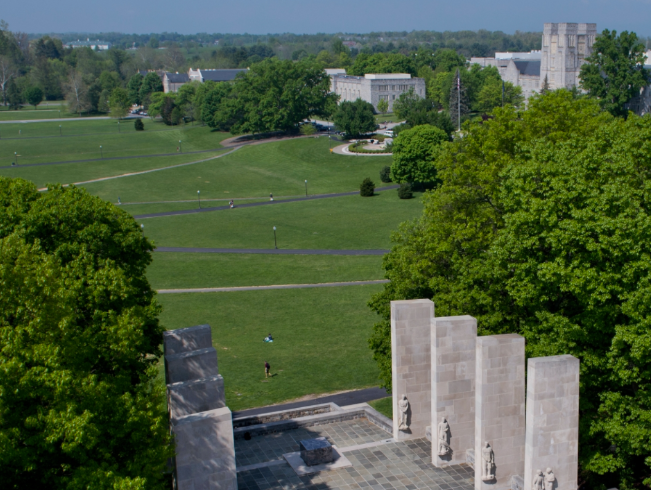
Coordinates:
column 320, row 340
column 188, row 270
column 280, row 168
column 353, row 222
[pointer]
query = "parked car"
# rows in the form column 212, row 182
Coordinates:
column 388, row 133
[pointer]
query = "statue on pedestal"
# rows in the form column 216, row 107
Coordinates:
column 444, row 438
column 487, row 463
column 538, row 481
column 403, row 406
column 550, row 479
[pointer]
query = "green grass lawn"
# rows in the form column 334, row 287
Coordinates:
column 68, row 173
column 90, row 135
column 320, row 341
column 384, row 406
column 191, row 270
column 353, row 222
column 280, row 168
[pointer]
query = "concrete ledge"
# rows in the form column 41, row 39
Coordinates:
column 284, row 415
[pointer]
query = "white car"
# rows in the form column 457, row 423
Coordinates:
column 388, row 133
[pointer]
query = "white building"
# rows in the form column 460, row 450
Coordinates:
column 101, row 45
column 374, row 87
column 202, row 76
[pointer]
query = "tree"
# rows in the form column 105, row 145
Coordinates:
column 545, row 86
column 382, row 63
column 417, row 111
column 150, row 84
column 495, row 91
column 458, row 101
column 134, row 85
column 447, row 60
column 138, row 124
column 7, row 72
column 33, row 95
column 77, row 93
column 167, row 111
column 355, row 118
column 119, row 103
column 615, row 72
column 383, row 106
column 367, row 188
column 81, row 339
column 14, row 96
column 414, row 153
column 212, row 112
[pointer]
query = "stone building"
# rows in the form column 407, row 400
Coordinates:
column 564, row 49
column 374, row 87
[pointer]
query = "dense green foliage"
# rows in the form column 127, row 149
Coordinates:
column 385, row 174
column 139, row 125
column 367, row 188
column 119, row 102
column 542, row 227
column 615, row 72
column 355, row 118
column 150, row 84
column 33, row 96
column 272, row 96
column 404, row 191
column 416, row 111
column 80, row 345
column 414, row 154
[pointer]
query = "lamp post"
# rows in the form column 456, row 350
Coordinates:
column 199, row 198
column 142, row 228
column 118, row 126
column 275, row 241
column 101, row 152
column 306, row 188
column 180, row 147
column 60, row 132
column 16, row 155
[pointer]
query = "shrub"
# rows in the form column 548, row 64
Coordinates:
column 385, row 174
column 139, row 125
column 404, row 191
column 367, row 189
column 307, row 129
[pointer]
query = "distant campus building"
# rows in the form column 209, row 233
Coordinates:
column 172, row 82
column 564, row 49
column 374, row 87
column 100, row 45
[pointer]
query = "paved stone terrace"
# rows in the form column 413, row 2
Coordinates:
column 271, row 447
column 401, row 465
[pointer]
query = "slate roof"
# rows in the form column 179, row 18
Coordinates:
column 221, row 75
column 177, row 77
column 528, row 68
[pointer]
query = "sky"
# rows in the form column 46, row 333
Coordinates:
column 312, row 16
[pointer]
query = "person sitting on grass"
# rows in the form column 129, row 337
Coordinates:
column 269, row 338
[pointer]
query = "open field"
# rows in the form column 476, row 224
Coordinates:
column 280, row 168
column 320, row 340
column 353, row 222
column 203, row 270
column 32, row 148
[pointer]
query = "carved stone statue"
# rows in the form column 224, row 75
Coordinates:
column 550, row 479
column 403, row 406
column 488, row 463
column 444, row 437
column 538, row 481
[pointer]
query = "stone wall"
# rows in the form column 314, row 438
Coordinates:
column 453, row 386
column 552, row 435
column 411, row 359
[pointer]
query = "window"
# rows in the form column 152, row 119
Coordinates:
column 383, row 88
column 393, row 87
column 384, row 97
column 394, row 96
column 403, row 88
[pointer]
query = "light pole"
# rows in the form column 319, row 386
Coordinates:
column 101, row 152
column 199, row 198
column 180, row 147
column 306, row 188
column 275, row 242
column 60, row 132
column 118, row 126
column 16, row 155
column 142, row 228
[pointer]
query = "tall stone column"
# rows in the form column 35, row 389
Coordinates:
column 552, row 440
column 499, row 411
column 410, row 356
column 453, row 388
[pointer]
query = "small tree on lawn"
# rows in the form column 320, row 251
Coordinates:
column 119, row 103
column 33, row 95
column 139, row 125
column 383, row 106
column 367, row 189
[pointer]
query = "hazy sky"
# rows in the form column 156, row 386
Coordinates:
column 311, row 16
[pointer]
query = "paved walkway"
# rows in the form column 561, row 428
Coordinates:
column 26, row 121
column 255, row 204
column 342, row 399
column 278, row 251
column 279, row 286
column 343, row 150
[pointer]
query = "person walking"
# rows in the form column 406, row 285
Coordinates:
column 271, row 197
column 232, row 205
column 267, row 369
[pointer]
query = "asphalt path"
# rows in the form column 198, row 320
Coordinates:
column 27, row 121
column 341, row 399
column 255, row 204
column 279, row 286
column 271, row 251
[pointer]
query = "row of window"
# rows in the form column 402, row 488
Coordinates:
column 385, row 88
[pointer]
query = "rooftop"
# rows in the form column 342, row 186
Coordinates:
column 528, row 68
column 387, row 76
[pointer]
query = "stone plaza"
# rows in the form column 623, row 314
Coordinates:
column 463, row 418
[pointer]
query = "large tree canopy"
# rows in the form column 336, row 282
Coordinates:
column 542, row 227
column 355, row 118
column 80, row 344
column 414, row 153
column 615, row 72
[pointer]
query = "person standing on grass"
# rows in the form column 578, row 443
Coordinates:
column 267, row 369
column 271, row 197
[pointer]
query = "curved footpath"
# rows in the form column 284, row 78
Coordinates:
column 279, row 286
column 255, row 204
column 343, row 150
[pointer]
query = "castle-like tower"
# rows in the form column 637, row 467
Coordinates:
column 564, row 48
